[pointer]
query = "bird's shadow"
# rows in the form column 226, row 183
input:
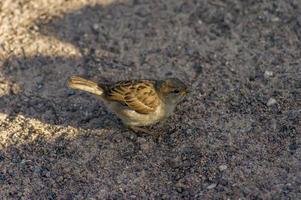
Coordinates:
column 38, row 83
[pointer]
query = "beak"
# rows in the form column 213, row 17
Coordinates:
column 185, row 92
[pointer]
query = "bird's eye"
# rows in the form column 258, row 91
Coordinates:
column 176, row 91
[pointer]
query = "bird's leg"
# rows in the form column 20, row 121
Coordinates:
column 139, row 130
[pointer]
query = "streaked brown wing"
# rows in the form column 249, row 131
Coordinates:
column 138, row 95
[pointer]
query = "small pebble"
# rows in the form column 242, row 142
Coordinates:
column 268, row 74
column 39, row 85
column 180, row 187
column 271, row 102
column 96, row 27
column 292, row 147
column 213, row 185
column 35, row 27
column 275, row 19
column 144, row 145
column 3, row 116
column 2, row 176
column 222, row 167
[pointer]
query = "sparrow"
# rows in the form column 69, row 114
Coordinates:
column 138, row 103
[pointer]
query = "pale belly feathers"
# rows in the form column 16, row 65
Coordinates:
column 132, row 118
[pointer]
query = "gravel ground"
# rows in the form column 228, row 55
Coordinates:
column 236, row 136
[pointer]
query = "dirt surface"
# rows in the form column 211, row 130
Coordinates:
column 236, row 136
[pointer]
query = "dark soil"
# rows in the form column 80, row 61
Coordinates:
column 237, row 136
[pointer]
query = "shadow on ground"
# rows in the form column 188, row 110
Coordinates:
column 112, row 48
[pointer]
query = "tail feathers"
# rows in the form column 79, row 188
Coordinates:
column 79, row 83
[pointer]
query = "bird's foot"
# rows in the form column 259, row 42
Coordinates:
column 139, row 131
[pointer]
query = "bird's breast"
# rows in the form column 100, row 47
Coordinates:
column 133, row 118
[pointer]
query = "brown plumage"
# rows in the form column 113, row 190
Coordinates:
column 138, row 95
column 136, row 102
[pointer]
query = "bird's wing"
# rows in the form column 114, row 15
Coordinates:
column 138, row 95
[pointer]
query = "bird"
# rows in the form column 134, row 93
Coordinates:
column 138, row 103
